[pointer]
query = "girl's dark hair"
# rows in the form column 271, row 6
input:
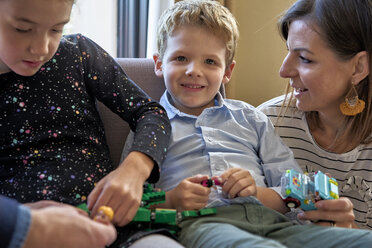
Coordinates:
column 346, row 26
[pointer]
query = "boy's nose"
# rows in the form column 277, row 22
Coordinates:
column 40, row 46
column 193, row 70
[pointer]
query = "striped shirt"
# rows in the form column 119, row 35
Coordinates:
column 353, row 169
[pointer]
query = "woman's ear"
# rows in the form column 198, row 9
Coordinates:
column 361, row 70
column 228, row 72
column 158, row 65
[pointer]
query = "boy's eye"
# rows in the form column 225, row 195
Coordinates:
column 210, row 61
column 305, row 60
column 181, row 58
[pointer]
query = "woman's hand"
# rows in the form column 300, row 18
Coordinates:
column 332, row 213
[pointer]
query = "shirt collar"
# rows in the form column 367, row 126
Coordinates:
column 173, row 111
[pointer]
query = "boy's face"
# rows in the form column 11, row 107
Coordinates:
column 30, row 32
column 193, row 67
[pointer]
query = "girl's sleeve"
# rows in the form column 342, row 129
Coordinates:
column 146, row 117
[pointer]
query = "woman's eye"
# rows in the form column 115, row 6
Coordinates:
column 210, row 61
column 181, row 58
column 57, row 31
column 305, row 60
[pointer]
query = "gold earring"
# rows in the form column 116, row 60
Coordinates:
column 352, row 105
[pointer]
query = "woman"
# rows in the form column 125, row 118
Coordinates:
column 326, row 115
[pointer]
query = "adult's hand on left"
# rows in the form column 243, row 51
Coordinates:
column 67, row 226
column 337, row 212
column 122, row 188
column 43, row 204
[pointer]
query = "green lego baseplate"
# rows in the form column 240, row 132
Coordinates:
column 150, row 219
column 151, row 196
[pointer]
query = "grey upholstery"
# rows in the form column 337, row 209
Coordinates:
column 141, row 71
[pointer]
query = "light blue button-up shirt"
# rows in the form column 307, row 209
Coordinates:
column 230, row 134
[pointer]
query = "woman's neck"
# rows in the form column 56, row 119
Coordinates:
column 327, row 130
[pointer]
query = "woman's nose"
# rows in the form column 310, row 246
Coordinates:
column 287, row 70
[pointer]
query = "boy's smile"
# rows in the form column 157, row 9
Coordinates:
column 193, row 67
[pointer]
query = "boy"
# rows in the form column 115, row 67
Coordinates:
column 224, row 139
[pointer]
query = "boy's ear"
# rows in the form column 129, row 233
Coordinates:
column 158, row 69
column 228, row 72
column 361, row 70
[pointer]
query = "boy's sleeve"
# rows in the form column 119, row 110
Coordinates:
column 146, row 117
column 275, row 156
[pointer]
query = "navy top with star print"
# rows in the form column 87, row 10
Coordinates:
column 52, row 143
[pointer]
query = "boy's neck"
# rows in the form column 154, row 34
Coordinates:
column 215, row 103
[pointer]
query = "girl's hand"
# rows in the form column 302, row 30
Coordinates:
column 122, row 189
column 189, row 194
column 338, row 212
column 238, row 182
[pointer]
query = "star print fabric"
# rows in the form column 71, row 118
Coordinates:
column 52, row 143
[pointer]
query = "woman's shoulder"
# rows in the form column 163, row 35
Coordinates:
column 275, row 107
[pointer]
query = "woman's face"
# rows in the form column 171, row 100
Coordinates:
column 319, row 78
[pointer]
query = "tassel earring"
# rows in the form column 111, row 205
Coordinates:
column 352, row 105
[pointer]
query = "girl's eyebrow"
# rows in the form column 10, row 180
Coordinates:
column 22, row 19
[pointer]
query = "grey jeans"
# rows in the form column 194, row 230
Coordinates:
column 250, row 225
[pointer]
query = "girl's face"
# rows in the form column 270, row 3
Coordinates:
column 30, row 32
column 319, row 78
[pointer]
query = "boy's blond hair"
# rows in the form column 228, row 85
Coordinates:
column 202, row 13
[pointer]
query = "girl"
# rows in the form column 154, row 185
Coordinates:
column 52, row 143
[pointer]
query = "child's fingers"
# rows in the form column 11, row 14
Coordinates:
column 93, row 196
column 198, row 178
column 237, row 188
column 251, row 190
column 239, row 181
column 230, row 185
column 224, row 176
column 102, row 200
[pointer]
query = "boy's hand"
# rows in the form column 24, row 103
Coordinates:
column 189, row 194
column 238, row 182
column 122, row 189
column 339, row 211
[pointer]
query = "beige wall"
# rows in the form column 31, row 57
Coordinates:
column 260, row 51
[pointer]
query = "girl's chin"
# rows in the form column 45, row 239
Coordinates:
column 27, row 72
